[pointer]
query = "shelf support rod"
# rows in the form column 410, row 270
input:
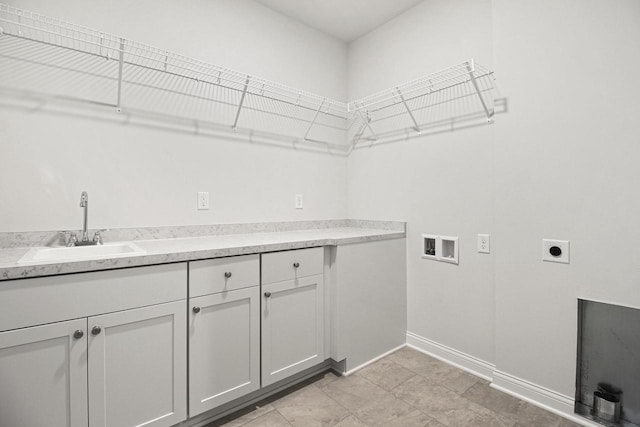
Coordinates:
column 358, row 135
column 415, row 123
column 120, row 64
column 470, row 69
column 366, row 120
column 244, row 92
column 314, row 119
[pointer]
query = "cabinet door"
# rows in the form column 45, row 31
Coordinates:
column 224, row 348
column 137, row 367
column 292, row 327
column 43, row 376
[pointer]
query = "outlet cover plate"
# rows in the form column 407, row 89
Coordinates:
column 555, row 250
column 203, row 200
column 484, row 243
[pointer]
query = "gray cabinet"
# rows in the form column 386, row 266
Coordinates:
column 292, row 313
column 224, row 331
column 43, row 375
column 122, row 364
column 137, row 367
column 224, row 348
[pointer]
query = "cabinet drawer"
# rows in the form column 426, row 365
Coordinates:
column 211, row 276
column 287, row 265
column 36, row 301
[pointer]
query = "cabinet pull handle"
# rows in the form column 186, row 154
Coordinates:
column 296, row 264
column 78, row 334
column 196, row 310
column 227, row 274
column 267, row 294
column 96, row 330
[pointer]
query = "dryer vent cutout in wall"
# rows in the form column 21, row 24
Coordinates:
column 440, row 248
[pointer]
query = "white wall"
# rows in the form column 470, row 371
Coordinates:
column 433, row 35
column 566, row 167
column 149, row 177
column 441, row 184
column 562, row 163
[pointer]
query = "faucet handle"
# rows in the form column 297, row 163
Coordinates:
column 97, row 236
column 71, row 241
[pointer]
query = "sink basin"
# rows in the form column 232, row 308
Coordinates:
column 45, row 255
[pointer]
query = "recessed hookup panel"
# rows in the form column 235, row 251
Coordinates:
column 440, row 248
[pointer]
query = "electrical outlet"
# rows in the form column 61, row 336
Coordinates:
column 555, row 251
column 299, row 201
column 203, row 200
column 484, row 243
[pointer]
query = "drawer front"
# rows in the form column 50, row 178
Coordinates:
column 211, row 276
column 36, row 301
column 287, row 265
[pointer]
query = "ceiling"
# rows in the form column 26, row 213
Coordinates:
column 344, row 19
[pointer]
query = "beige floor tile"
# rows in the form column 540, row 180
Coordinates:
column 405, row 389
column 487, row 418
column 564, row 422
column 351, row 421
column 459, row 381
column 532, row 416
column 446, row 406
column 422, row 364
column 326, row 378
column 383, row 410
column 429, row 397
column 270, row 419
column 386, row 373
column 410, row 358
column 497, row 401
column 310, row 407
column 354, row 392
column 476, row 416
column 414, row 419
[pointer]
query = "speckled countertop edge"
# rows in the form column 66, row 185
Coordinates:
column 179, row 249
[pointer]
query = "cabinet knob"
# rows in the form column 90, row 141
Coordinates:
column 78, row 334
column 296, row 264
column 227, row 274
column 196, row 310
column 267, row 294
column 96, row 330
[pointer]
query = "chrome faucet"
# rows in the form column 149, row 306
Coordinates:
column 84, row 240
column 84, row 203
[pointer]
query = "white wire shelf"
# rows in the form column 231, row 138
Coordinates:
column 461, row 92
column 45, row 55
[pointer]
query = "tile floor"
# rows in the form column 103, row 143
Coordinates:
column 405, row 389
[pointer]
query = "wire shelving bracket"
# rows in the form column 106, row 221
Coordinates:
column 463, row 92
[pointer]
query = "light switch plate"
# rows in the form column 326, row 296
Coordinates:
column 299, row 201
column 555, row 250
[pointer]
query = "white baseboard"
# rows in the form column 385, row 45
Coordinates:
column 542, row 397
column 535, row 394
column 532, row 392
column 452, row 356
column 357, row 368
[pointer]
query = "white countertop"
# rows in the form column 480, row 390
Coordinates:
column 162, row 251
